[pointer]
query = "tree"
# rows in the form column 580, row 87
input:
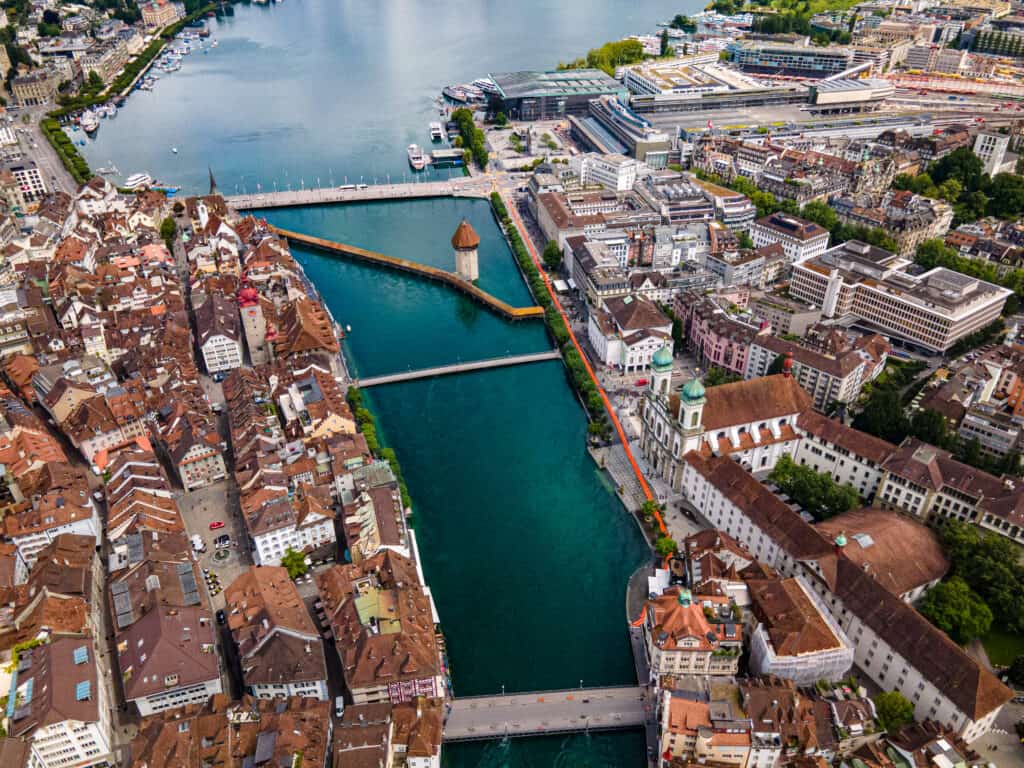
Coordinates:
column 816, row 492
column 1006, row 196
column 776, row 366
column 955, row 609
column 960, row 164
column 664, row 42
column 294, row 562
column 665, row 546
column 893, row 710
column 168, row 230
column 882, row 415
column 745, row 240
column 930, row 426
column 51, row 17
column 552, row 255
column 648, row 508
column 501, row 119
column 684, row 23
column 989, row 564
column 94, row 82
column 820, row 213
column 716, row 376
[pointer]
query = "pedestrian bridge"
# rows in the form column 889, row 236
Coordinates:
column 468, row 186
column 444, row 370
column 414, row 268
column 546, row 712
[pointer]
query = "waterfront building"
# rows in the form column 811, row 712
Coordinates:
column 932, row 310
column 106, row 59
column 691, row 635
column 60, row 705
column 628, row 331
column 383, row 622
column 894, row 645
column 794, row 637
column 800, row 239
column 36, row 87
column 465, row 241
column 279, row 647
column 792, row 60
column 753, row 422
column 157, row 14
column 693, row 729
column 218, row 334
column 530, row 96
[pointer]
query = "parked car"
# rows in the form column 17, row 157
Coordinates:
column 216, row 524
column 221, row 616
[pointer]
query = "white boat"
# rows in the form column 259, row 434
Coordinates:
column 111, row 109
column 436, row 131
column 348, row 329
column 138, row 181
column 416, row 158
column 486, row 85
column 88, row 121
column 174, row 150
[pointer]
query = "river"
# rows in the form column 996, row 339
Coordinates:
column 525, row 548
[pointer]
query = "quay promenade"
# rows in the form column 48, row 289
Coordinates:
column 421, row 270
column 532, row 714
column 444, row 370
column 466, row 186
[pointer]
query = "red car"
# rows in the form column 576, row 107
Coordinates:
column 641, row 383
column 216, row 524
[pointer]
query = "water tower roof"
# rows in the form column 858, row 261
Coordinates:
column 465, row 236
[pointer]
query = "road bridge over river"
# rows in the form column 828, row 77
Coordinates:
column 444, row 370
column 531, row 714
column 465, row 186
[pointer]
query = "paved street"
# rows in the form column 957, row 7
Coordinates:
column 550, row 712
column 35, row 146
column 465, row 186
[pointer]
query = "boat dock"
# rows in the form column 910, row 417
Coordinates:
column 412, row 267
column 466, row 186
column 446, row 158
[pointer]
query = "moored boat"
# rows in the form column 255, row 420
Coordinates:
column 416, row 157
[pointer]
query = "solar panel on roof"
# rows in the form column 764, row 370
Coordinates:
column 134, row 547
column 189, row 589
column 82, row 691
column 81, row 654
column 122, row 604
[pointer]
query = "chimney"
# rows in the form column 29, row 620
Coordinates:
column 787, row 365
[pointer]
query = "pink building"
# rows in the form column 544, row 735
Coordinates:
column 715, row 338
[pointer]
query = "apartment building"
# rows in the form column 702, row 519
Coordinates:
column 613, row 172
column 800, row 239
column 991, row 148
column 931, row 310
column 219, row 334
column 279, row 647
column 850, row 456
column 691, row 635
column 628, row 332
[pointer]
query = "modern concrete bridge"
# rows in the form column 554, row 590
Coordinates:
column 415, row 268
column 444, row 370
column 466, row 186
column 532, row 714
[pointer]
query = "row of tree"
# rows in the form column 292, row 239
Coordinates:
column 609, row 56
column 472, row 136
column 368, row 426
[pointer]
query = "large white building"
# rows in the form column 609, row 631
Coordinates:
column 800, row 239
column 59, row 703
column 932, row 310
column 991, row 148
column 614, row 172
column 628, row 332
column 894, row 645
column 275, row 525
column 219, row 334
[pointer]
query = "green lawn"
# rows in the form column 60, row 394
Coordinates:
column 1003, row 647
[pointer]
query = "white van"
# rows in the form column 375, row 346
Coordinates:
column 198, row 545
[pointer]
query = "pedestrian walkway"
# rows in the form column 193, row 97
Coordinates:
column 444, row 370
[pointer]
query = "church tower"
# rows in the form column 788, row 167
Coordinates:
column 691, row 414
column 661, row 371
column 465, row 242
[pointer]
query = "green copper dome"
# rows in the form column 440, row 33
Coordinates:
column 841, row 540
column 662, row 360
column 693, row 390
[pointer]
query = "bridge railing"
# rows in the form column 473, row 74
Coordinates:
column 565, row 692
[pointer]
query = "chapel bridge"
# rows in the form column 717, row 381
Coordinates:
column 548, row 712
column 420, row 270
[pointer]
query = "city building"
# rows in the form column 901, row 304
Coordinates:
column 614, row 172
column 794, row 637
column 849, row 456
column 30, row 181
column 792, row 60
column 799, row 239
column 159, row 13
column 37, row 87
column 699, row 731
column 991, row 148
column 279, row 647
column 691, row 635
column 932, row 310
column 61, row 705
column 218, row 334
column 628, row 331
column 908, row 218
column 784, row 315
column 551, row 95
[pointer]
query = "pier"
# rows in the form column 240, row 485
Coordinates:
column 546, row 712
column 445, row 370
column 466, row 186
column 414, row 268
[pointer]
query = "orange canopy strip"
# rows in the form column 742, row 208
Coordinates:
column 590, row 371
